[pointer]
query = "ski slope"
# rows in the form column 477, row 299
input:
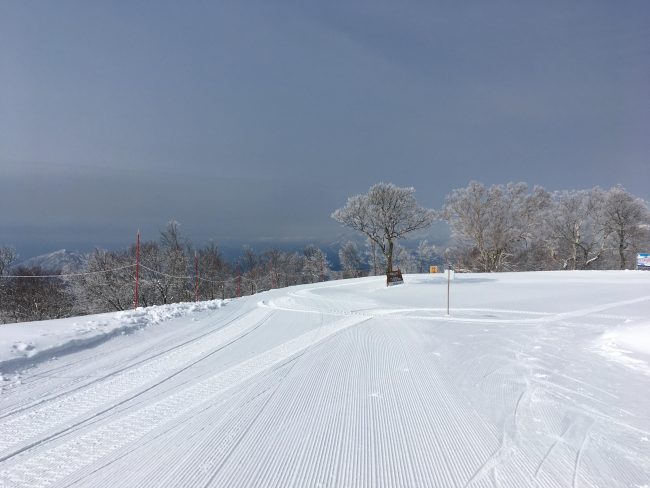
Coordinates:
column 534, row 379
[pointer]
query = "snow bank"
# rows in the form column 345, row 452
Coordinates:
column 629, row 345
column 28, row 342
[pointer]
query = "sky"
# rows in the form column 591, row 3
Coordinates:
column 251, row 121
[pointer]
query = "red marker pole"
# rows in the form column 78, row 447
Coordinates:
column 196, row 278
column 137, row 270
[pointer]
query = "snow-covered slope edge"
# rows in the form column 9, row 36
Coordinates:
column 31, row 342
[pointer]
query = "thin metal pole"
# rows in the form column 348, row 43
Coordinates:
column 448, row 287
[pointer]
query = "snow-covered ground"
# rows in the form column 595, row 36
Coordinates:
column 29, row 342
column 535, row 379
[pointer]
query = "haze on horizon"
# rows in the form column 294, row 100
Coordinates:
column 255, row 120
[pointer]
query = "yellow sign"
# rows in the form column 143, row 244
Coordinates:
column 433, row 269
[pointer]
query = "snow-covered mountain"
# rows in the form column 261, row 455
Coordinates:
column 62, row 260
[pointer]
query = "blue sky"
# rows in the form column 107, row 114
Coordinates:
column 255, row 120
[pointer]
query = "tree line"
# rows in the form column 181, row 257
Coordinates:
column 166, row 275
column 506, row 227
column 514, row 228
column 510, row 227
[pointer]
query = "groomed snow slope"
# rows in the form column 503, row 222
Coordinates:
column 536, row 379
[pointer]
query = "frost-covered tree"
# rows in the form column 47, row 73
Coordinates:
column 426, row 256
column 578, row 229
column 404, row 259
column 212, row 271
column 272, row 259
column 315, row 265
column 175, row 263
column 252, row 270
column 627, row 219
column 7, row 257
column 154, row 286
column 292, row 264
column 494, row 222
column 351, row 261
column 375, row 257
column 107, row 284
column 32, row 297
column 385, row 214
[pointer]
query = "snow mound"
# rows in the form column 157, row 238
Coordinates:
column 29, row 342
column 629, row 345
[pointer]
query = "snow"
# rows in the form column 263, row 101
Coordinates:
column 629, row 345
column 25, row 342
column 636, row 338
column 58, row 261
column 534, row 379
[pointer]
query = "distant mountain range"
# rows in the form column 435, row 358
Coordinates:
column 58, row 261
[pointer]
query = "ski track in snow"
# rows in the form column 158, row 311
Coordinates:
column 366, row 388
column 20, row 428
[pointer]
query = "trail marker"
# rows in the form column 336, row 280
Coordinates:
column 450, row 276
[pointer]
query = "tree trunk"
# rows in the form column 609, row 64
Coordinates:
column 621, row 249
column 389, row 257
column 374, row 258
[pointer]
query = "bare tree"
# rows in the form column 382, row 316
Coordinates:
column 212, row 269
column 405, row 260
column 626, row 220
column 578, row 229
column 108, row 284
column 426, row 255
column 250, row 264
column 376, row 259
column 315, row 264
column 32, row 297
column 175, row 264
column 7, row 257
column 274, row 263
column 385, row 214
column 292, row 265
column 351, row 261
column 494, row 222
